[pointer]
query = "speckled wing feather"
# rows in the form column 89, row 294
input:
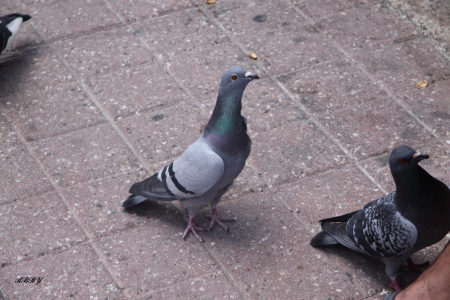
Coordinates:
column 380, row 230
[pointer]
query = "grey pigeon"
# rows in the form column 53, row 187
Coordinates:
column 414, row 216
column 204, row 172
column 9, row 26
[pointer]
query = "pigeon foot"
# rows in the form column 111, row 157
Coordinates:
column 214, row 217
column 192, row 227
column 395, row 285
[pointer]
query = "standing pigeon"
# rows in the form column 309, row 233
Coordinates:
column 414, row 216
column 204, row 172
column 9, row 26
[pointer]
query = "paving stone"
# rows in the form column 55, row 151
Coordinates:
column 401, row 66
column 60, row 19
column 111, row 63
column 8, row 137
column 332, row 86
column 140, row 10
column 324, row 8
column 367, row 27
column 291, row 48
column 372, row 130
column 26, row 224
column 40, row 103
column 153, row 257
column 86, row 154
column 267, row 252
column 212, row 286
column 75, row 273
column 431, row 105
column 291, row 151
column 21, row 176
column 254, row 18
column 328, row 194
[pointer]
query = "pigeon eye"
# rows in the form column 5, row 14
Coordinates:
column 401, row 160
column 234, row 77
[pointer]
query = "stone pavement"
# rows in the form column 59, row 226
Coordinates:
column 106, row 93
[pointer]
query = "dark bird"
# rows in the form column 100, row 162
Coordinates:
column 9, row 26
column 414, row 216
column 204, row 172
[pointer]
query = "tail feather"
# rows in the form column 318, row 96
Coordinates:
column 323, row 239
column 133, row 200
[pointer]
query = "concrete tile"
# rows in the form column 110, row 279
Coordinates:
column 154, row 257
column 76, row 273
column 437, row 165
column 26, row 225
column 327, row 195
column 372, row 130
column 431, row 105
column 21, row 176
column 198, row 52
column 98, row 205
column 63, row 19
column 140, row 10
column 324, row 8
column 331, row 86
column 212, row 286
column 299, row 148
column 87, row 154
column 162, row 135
column 43, row 103
column 8, row 137
column 367, row 27
column 257, row 17
column 267, row 252
column 401, row 66
column 291, row 48
column 114, row 50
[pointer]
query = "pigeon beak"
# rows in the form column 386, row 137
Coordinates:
column 419, row 156
column 251, row 76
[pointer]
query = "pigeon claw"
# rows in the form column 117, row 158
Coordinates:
column 395, row 285
column 193, row 228
column 214, row 217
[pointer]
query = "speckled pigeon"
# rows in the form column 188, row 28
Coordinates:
column 204, row 172
column 414, row 216
column 9, row 26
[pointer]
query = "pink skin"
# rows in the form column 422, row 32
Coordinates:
column 192, row 227
column 214, row 217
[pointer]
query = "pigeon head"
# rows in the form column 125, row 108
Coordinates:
column 404, row 159
column 226, row 116
column 234, row 81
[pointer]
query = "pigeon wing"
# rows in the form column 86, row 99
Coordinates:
column 380, row 230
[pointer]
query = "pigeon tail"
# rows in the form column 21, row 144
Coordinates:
column 342, row 218
column 133, row 200
column 323, row 239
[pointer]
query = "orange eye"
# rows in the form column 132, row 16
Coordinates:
column 234, row 77
column 401, row 160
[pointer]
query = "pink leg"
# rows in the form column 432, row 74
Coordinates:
column 395, row 285
column 214, row 217
column 192, row 227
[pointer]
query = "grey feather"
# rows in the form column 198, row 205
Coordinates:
column 395, row 226
column 203, row 173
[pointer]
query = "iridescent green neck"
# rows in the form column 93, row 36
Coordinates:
column 226, row 115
